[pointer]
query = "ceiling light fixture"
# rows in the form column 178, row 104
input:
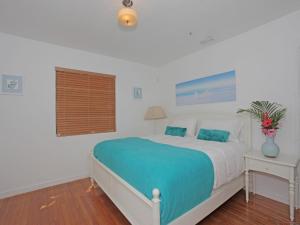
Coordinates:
column 127, row 16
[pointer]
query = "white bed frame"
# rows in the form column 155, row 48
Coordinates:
column 141, row 211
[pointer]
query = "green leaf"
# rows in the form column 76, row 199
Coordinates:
column 275, row 111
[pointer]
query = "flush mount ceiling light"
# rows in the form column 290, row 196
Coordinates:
column 127, row 16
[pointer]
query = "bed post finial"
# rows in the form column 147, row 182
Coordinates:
column 156, row 206
column 155, row 194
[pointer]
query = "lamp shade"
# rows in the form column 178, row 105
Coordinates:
column 155, row 112
column 127, row 17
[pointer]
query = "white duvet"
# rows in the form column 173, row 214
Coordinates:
column 227, row 158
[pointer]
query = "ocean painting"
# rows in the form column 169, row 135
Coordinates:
column 216, row 88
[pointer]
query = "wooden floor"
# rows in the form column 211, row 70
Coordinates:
column 76, row 203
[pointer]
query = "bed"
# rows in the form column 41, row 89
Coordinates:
column 139, row 209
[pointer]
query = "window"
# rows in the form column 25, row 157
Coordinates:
column 85, row 102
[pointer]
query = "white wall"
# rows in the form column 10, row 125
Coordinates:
column 267, row 62
column 31, row 156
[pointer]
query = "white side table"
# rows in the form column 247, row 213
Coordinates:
column 284, row 166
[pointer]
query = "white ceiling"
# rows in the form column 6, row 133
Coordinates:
column 161, row 36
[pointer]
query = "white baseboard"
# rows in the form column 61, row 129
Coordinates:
column 275, row 196
column 297, row 192
column 22, row 190
column 281, row 195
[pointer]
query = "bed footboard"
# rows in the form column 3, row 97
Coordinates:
column 135, row 206
column 141, row 211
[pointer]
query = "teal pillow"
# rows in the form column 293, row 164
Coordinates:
column 213, row 135
column 175, row 131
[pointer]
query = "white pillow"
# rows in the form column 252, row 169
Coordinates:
column 233, row 126
column 189, row 124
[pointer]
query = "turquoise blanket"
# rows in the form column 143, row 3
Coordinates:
column 184, row 176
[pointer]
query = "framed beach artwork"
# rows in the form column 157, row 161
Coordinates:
column 137, row 93
column 211, row 89
column 11, row 84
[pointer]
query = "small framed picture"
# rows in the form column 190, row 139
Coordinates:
column 12, row 84
column 137, row 93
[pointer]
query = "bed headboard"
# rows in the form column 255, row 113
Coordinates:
column 246, row 133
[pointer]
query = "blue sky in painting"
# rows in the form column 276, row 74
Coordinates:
column 216, row 88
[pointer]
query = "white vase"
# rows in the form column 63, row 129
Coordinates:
column 270, row 148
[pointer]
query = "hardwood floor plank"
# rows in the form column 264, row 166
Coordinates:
column 3, row 210
column 75, row 203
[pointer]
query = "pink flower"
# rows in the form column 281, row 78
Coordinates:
column 265, row 131
column 269, row 132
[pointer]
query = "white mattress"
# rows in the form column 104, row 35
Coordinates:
column 227, row 158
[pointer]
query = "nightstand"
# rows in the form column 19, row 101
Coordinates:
column 283, row 166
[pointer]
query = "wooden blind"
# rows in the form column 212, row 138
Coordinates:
column 85, row 102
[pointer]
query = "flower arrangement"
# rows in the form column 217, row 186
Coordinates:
column 269, row 114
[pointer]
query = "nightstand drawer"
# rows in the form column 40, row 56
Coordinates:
column 270, row 168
